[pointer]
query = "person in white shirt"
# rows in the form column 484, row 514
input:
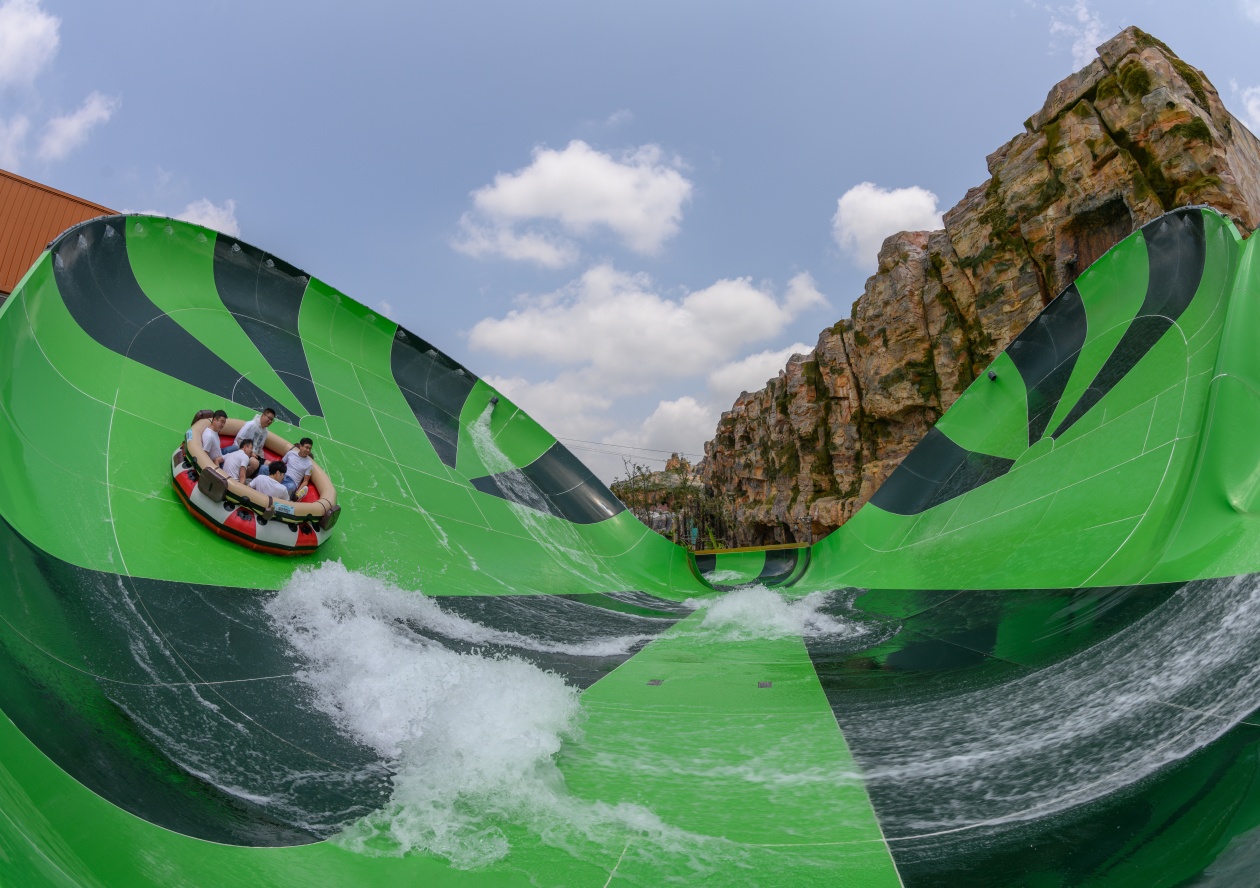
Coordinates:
column 210, row 437
column 270, row 484
column 298, row 464
column 255, row 430
column 236, row 464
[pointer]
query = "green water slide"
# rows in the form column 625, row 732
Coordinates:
column 1030, row 660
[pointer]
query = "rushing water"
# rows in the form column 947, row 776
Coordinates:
column 758, row 612
column 472, row 740
column 402, row 723
column 1081, row 729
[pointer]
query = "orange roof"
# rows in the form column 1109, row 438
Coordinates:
column 31, row 215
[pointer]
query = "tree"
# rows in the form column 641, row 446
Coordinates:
column 677, row 505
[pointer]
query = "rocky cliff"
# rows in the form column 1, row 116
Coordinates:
column 1136, row 133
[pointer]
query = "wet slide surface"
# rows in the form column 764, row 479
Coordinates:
column 1029, row 660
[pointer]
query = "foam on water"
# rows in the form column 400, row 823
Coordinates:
column 202, row 731
column 721, row 577
column 361, row 595
column 471, row 740
column 757, row 612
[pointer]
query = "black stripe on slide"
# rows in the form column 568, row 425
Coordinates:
column 1176, row 246
column 264, row 294
column 102, row 294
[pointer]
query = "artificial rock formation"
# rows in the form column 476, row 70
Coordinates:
column 1134, row 134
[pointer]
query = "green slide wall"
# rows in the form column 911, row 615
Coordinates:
column 1029, row 660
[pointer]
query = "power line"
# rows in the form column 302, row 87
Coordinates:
column 629, row 447
column 659, row 459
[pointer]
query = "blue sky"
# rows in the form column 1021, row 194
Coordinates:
column 621, row 215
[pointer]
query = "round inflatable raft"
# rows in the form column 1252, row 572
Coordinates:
column 243, row 515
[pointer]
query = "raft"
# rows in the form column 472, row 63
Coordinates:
column 243, row 515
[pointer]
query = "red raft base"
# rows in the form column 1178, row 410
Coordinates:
column 240, row 524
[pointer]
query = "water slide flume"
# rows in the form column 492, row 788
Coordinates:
column 237, row 512
column 1041, row 632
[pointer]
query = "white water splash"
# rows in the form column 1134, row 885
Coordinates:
column 761, row 613
column 333, row 590
column 472, row 740
column 722, row 577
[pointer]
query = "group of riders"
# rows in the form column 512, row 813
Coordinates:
column 286, row 478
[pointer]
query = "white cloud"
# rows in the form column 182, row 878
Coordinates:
column 63, row 134
column 1250, row 10
column 682, row 425
column 578, row 191
column 866, row 214
column 28, row 41
column 1251, row 108
column 673, row 426
column 751, row 373
column 566, row 406
column 12, row 139
column 802, row 294
column 386, row 309
column 1083, row 26
column 679, row 426
column 211, row 215
column 613, row 336
column 623, row 115
column 480, row 240
column 627, row 337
